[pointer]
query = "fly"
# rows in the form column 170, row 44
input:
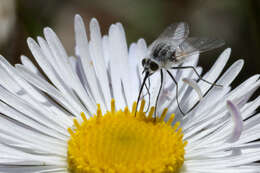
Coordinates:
column 169, row 51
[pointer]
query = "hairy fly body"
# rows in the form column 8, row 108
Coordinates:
column 170, row 50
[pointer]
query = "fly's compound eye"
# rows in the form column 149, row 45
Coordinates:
column 154, row 66
column 144, row 62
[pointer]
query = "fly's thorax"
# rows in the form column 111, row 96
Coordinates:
column 167, row 61
column 164, row 55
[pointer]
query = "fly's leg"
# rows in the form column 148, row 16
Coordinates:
column 149, row 95
column 157, row 98
column 200, row 78
column 177, row 91
column 141, row 89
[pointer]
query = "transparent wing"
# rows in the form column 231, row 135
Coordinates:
column 195, row 45
column 175, row 31
column 173, row 35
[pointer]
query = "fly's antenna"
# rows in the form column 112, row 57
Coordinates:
column 177, row 91
column 158, row 96
column 141, row 89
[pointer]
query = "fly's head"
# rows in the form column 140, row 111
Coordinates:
column 150, row 66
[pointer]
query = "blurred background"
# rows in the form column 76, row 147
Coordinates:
column 235, row 21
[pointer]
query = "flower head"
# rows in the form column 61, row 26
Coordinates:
column 75, row 116
column 120, row 141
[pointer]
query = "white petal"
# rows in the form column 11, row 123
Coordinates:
column 237, row 120
column 96, row 52
column 194, row 85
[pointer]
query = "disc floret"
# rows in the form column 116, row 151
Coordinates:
column 122, row 141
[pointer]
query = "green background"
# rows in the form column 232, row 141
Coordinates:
column 235, row 21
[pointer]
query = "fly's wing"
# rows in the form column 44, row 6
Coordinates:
column 173, row 35
column 175, row 31
column 195, row 45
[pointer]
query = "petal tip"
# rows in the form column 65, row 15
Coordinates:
column 30, row 41
column 237, row 120
column 93, row 21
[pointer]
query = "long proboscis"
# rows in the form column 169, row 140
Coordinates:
column 141, row 89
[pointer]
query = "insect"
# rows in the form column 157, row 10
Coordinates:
column 169, row 51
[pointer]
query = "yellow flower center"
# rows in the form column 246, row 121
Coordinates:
column 125, row 142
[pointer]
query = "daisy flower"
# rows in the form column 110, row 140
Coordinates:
column 76, row 114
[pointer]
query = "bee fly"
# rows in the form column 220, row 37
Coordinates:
column 169, row 51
